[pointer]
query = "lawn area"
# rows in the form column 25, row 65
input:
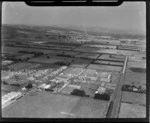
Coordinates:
column 82, row 63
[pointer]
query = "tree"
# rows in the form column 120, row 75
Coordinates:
column 29, row 86
column 5, row 83
column 104, row 96
column 78, row 92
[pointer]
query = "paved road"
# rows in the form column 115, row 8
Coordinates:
column 118, row 96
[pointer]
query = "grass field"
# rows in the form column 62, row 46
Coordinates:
column 88, row 55
column 136, row 64
column 43, row 105
column 135, row 77
column 135, row 98
column 89, row 88
column 132, row 111
column 43, row 59
column 47, row 105
column 105, row 67
column 68, row 90
column 82, row 63
column 89, row 108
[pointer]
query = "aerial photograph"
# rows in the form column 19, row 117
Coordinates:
column 74, row 61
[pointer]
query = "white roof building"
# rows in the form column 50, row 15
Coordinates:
column 101, row 90
column 10, row 96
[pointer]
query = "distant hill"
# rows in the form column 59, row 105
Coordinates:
column 12, row 31
column 108, row 31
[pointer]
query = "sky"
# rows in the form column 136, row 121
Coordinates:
column 128, row 16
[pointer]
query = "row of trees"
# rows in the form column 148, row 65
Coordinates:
column 105, row 96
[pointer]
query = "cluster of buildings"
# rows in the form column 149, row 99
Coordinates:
column 10, row 97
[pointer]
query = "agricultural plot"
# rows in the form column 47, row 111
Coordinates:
column 41, row 105
column 107, row 51
column 140, row 56
column 89, row 108
column 25, row 56
column 110, row 57
column 45, row 66
column 137, row 58
column 47, row 105
column 115, row 77
column 8, row 88
column 74, row 71
column 105, row 67
column 88, row 55
column 132, row 111
column 44, row 59
column 87, row 49
column 20, row 65
column 136, row 64
column 67, row 53
column 89, row 72
column 108, row 63
column 68, row 89
column 100, row 46
column 7, row 49
column 126, row 52
column 89, row 88
column 82, row 63
column 135, row 77
column 134, row 98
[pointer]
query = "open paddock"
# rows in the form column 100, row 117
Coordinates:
column 136, row 64
column 135, row 98
column 105, row 67
column 88, row 55
column 48, row 105
column 132, row 111
column 135, row 77
column 82, row 63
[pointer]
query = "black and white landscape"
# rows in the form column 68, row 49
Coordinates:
column 73, row 62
